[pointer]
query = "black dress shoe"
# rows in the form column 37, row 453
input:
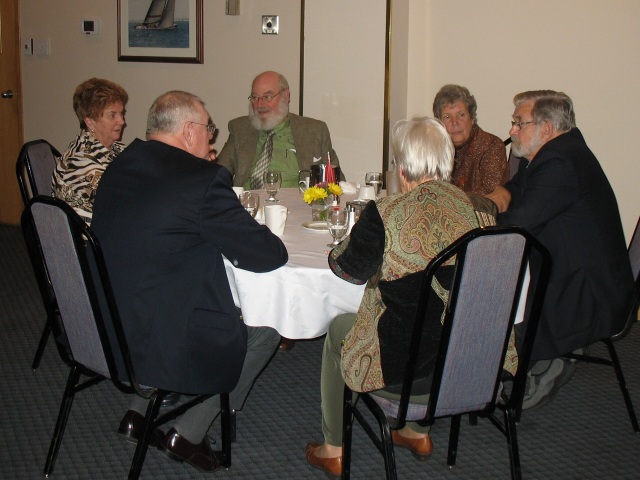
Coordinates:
column 170, row 400
column 178, row 448
column 131, row 427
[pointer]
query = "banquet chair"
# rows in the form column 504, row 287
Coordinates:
column 500, row 274
column 513, row 161
column 613, row 361
column 34, row 170
column 96, row 336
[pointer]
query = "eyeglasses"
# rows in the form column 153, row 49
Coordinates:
column 264, row 98
column 211, row 127
column 519, row 125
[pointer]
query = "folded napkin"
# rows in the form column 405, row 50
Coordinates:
column 348, row 188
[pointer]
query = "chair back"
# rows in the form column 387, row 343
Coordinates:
column 496, row 269
column 82, row 288
column 34, row 168
column 514, row 162
column 634, row 253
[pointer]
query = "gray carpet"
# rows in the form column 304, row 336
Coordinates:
column 584, row 433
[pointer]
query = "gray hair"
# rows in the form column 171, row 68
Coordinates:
column 549, row 106
column 451, row 94
column 171, row 110
column 422, row 148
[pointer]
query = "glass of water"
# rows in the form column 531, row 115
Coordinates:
column 337, row 222
column 251, row 202
column 271, row 182
column 375, row 180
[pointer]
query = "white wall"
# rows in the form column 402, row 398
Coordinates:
column 587, row 48
column 234, row 52
column 590, row 49
column 344, row 78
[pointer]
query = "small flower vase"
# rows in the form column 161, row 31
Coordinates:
column 319, row 210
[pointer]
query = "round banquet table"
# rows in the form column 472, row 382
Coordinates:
column 300, row 298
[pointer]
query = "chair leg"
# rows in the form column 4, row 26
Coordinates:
column 454, row 432
column 623, row 384
column 233, row 426
column 143, row 443
column 347, row 434
column 41, row 344
column 228, row 432
column 61, row 422
column 512, row 443
column 387, row 449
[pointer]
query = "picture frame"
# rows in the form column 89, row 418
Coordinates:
column 166, row 31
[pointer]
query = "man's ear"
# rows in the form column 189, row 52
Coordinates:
column 187, row 133
column 547, row 131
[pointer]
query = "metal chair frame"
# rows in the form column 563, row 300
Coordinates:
column 534, row 256
column 101, row 319
column 28, row 173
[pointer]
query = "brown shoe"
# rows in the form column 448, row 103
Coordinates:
column 286, row 344
column 178, row 448
column 420, row 448
column 132, row 425
column 331, row 466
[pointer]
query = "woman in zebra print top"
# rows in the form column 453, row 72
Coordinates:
column 100, row 107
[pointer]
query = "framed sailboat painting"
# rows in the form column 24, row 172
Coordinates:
column 160, row 31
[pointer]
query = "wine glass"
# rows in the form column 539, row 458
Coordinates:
column 337, row 219
column 251, row 202
column 375, row 180
column 271, row 182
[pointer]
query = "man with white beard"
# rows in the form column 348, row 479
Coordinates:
column 562, row 196
column 295, row 142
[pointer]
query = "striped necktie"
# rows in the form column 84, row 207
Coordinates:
column 262, row 165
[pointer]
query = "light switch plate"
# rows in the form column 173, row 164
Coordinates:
column 270, row 24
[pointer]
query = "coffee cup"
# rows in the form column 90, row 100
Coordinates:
column 303, row 180
column 239, row 191
column 366, row 193
column 275, row 217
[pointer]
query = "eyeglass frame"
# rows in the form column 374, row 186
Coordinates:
column 265, row 98
column 521, row 124
column 211, row 127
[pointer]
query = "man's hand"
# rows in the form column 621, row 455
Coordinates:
column 501, row 197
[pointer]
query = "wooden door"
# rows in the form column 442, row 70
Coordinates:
column 11, row 134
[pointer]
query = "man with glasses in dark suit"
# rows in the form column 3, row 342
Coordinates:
column 562, row 196
column 165, row 216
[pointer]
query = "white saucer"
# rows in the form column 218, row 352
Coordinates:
column 318, row 227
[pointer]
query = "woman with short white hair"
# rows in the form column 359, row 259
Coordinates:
column 395, row 236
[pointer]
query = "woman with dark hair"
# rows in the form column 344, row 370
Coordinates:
column 100, row 107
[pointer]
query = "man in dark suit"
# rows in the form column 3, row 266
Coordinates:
column 165, row 216
column 562, row 196
column 298, row 142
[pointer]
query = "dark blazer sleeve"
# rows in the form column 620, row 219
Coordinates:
column 539, row 193
column 246, row 243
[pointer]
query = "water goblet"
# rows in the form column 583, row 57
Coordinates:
column 271, row 182
column 251, row 202
column 337, row 222
column 375, row 180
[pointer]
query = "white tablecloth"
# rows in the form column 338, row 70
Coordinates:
column 301, row 298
